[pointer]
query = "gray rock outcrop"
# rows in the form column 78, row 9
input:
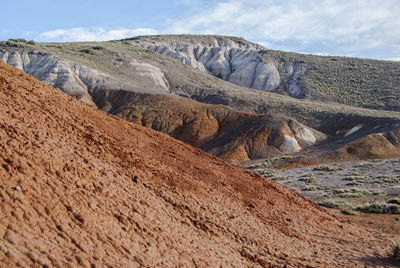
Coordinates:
column 79, row 80
column 236, row 62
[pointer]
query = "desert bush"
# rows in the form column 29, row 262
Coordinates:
column 353, row 183
column 280, row 178
column 311, row 188
column 387, row 179
column 335, row 203
column 308, row 178
column 21, row 40
column 366, row 165
column 394, row 201
column 353, row 192
column 326, row 168
column 351, row 195
column 381, row 208
column 357, row 178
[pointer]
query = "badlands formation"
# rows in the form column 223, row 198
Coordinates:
column 140, row 80
column 80, row 187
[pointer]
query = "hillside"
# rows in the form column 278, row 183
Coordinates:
column 233, row 122
column 95, row 190
column 220, row 130
column 357, row 82
column 87, row 70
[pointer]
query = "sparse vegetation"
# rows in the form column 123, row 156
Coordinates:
column 310, row 188
column 366, row 165
column 387, row 179
column 382, row 208
column 326, row 168
column 20, row 40
column 309, row 179
column 304, row 111
column 357, row 82
column 280, row 178
column 335, row 203
column 265, row 172
column 394, row 201
column 351, row 192
column 357, row 179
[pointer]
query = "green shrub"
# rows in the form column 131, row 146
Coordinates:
column 388, row 179
column 335, row 203
column 280, row 178
column 381, row 208
column 326, row 168
column 309, row 179
column 394, row 201
column 351, row 195
column 310, row 188
column 357, row 178
column 21, row 40
column 353, row 183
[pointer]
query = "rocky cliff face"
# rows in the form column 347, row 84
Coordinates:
column 355, row 82
column 240, row 62
column 79, row 80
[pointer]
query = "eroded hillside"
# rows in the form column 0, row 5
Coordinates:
column 96, row 190
column 232, row 122
column 358, row 82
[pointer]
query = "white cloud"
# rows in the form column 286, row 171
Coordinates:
column 343, row 27
column 93, row 34
column 362, row 28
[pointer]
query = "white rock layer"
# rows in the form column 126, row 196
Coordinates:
column 232, row 61
column 290, row 145
column 306, row 135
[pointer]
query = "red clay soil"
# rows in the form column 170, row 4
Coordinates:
column 80, row 187
column 220, row 130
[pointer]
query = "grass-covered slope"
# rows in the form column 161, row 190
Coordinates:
column 353, row 81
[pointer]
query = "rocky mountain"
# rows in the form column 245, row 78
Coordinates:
column 357, row 82
column 231, row 59
column 82, row 188
column 126, row 78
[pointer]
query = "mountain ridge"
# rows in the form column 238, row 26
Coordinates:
column 116, row 76
column 340, row 79
column 97, row 190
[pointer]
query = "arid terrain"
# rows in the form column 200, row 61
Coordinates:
column 81, row 187
column 358, row 182
column 230, row 97
column 108, row 174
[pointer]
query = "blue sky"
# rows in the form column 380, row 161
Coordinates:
column 359, row 28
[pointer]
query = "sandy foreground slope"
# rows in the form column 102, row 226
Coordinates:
column 80, row 187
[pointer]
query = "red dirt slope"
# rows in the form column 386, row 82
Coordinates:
column 80, row 187
column 220, row 130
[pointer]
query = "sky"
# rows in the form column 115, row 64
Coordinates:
column 355, row 28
